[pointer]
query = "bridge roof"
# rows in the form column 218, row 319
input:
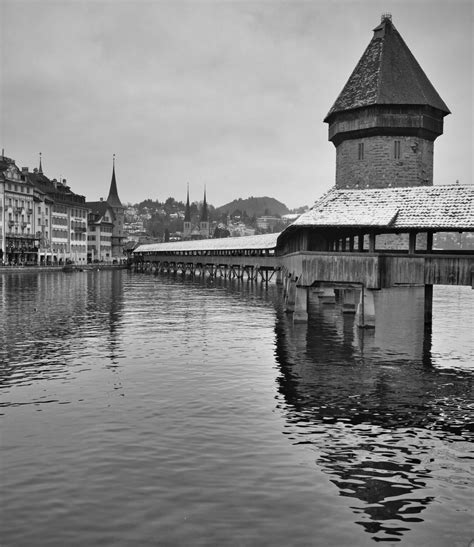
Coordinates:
column 442, row 208
column 264, row 241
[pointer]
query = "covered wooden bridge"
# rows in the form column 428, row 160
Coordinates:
column 367, row 244
column 249, row 257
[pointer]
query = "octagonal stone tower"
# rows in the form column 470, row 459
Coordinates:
column 385, row 120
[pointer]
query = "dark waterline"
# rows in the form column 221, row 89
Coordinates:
column 163, row 411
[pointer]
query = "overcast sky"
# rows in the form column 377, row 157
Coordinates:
column 227, row 94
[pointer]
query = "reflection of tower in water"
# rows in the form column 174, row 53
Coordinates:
column 362, row 407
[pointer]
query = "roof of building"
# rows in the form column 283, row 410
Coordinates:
column 99, row 208
column 387, row 74
column 425, row 207
column 265, row 241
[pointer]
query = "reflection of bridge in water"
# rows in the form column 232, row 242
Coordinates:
column 361, row 406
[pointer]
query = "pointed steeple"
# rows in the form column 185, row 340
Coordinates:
column 113, row 200
column 204, row 213
column 40, row 170
column 387, row 74
column 187, row 211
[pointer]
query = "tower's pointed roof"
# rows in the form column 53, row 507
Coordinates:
column 113, row 200
column 387, row 74
column 40, row 170
column 187, row 210
column 204, row 214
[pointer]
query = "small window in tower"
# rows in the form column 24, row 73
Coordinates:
column 361, row 150
column 396, row 150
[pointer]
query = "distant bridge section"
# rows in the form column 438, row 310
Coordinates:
column 251, row 257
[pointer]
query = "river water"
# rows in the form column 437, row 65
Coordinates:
column 152, row 410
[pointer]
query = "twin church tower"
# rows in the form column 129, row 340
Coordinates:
column 198, row 230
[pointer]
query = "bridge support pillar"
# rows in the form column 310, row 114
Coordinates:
column 349, row 301
column 290, row 295
column 384, row 309
column 327, row 296
column 366, row 309
column 428, row 303
column 300, row 314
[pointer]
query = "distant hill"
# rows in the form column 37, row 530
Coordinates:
column 254, row 206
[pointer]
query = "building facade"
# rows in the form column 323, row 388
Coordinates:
column 101, row 221
column 60, row 220
column 19, row 244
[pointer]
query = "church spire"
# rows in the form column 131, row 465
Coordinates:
column 113, row 199
column 40, row 170
column 204, row 214
column 187, row 211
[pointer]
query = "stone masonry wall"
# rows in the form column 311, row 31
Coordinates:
column 379, row 168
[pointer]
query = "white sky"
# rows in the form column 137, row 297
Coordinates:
column 227, row 94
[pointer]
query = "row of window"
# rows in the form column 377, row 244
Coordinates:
column 396, row 150
column 10, row 202
column 18, row 188
column 102, row 238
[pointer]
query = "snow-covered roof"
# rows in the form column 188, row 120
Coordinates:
column 264, row 241
column 425, row 207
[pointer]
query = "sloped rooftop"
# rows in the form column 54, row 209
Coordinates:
column 425, row 207
column 265, row 241
column 387, row 74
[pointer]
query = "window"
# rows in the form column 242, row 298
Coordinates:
column 396, row 150
column 361, row 151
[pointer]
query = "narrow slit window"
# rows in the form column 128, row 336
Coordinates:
column 361, row 150
column 396, row 150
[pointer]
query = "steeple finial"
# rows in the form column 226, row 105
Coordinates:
column 40, row 170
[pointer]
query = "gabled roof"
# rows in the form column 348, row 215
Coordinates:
column 387, row 74
column 265, row 241
column 424, row 207
column 99, row 208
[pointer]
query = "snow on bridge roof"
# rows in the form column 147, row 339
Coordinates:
column 425, row 207
column 265, row 241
